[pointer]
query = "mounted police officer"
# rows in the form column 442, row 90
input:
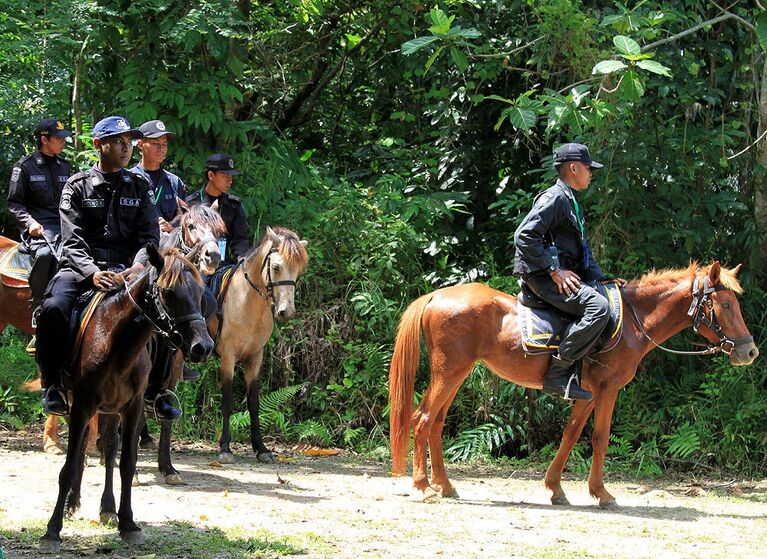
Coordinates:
column 168, row 188
column 219, row 172
column 33, row 197
column 107, row 218
column 554, row 261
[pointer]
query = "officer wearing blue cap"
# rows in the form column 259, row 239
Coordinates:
column 553, row 259
column 107, row 218
column 168, row 187
column 219, row 172
column 33, row 198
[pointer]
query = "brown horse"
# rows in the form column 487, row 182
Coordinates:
column 110, row 377
column 469, row 323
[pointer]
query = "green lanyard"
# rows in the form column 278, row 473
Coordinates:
column 578, row 214
column 157, row 196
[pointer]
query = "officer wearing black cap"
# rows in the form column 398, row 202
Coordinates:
column 219, row 173
column 33, row 197
column 107, row 218
column 553, row 258
column 168, row 188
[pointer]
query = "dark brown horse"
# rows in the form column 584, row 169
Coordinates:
column 110, row 377
column 468, row 323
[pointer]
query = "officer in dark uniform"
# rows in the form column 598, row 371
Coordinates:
column 33, row 197
column 219, row 173
column 554, row 261
column 107, row 218
column 168, row 188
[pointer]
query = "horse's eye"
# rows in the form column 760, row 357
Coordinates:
column 725, row 305
column 276, row 267
column 191, row 227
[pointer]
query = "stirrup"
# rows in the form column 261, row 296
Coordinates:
column 63, row 394
column 36, row 315
column 573, row 377
column 153, row 404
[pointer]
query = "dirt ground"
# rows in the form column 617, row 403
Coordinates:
column 346, row 507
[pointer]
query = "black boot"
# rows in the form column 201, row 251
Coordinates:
column 561, row 380
column 161, row 407
column 53, row 401
column 190, row 374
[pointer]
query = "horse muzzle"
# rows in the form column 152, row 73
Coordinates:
column 200, row 350
column 744, row 354
column 285, row 314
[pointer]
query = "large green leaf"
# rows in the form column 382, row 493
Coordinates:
column 418, row 43
column 632, row 86
column 626, row 45
column 432, row 58
column 460, row 59
column 654, row 67
column 608, row 67
column 441, row 21
column 761, row 29
column 521, row 118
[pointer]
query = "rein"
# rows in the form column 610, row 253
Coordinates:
column 701, row 300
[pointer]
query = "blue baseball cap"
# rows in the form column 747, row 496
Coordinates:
column 114, row 126
column 575, row 152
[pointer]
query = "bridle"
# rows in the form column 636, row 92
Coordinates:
column 154, row 311
column 270, row 284
column 191, row 252
column 701, row 302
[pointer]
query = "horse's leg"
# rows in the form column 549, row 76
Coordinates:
column 145, row 438
column 72, row 504
column 227, row 408
column 605, row 403
column 444, row 383
column 51, row 541
column 109, row 424
column 252, row 368
column 170, row 474
column 93, row 433
column 438, row 472
column 129, row 530
column 578, row 417
column 51, row 435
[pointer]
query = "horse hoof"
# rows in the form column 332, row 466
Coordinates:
column 148, row 444
column 265, row 458
column 226, row 458
column 133, row 537
column 610, row 504
column 173, row 479
column 52, row 448
column 427, row 495
column 108, row 518
column 94, row 452
column 50, row 544
column 450, row 493
column 560, row 500
column 136, row 481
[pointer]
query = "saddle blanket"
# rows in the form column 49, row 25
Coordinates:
column 218, row 282
column 14, row 267
column 541, row 329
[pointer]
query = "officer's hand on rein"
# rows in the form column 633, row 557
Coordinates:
column 35, row 230
column 568, row 282
column 105, row 281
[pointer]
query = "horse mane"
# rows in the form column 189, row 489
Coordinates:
column 726, row 276
column 200, row 213
column 291, row 249
column 173, row 270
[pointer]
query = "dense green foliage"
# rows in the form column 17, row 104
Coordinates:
column 405, row 140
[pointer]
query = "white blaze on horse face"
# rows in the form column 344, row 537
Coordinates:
column 210, row 257
column 284, row 295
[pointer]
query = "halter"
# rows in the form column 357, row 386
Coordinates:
column 186, row 250
column 701, row 301
column 270, row 285
column 157, row 315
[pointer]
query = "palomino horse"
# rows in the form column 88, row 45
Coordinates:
column 110, row 377
column 469, row 323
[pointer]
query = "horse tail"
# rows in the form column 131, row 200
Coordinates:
column 32, row 385
column 404, row 363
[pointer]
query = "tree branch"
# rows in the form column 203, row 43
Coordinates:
column 723, row 17
column 511, row 52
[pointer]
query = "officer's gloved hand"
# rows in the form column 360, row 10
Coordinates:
column 133, row 272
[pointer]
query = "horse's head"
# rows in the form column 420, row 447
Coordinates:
column 201, row 228
column 174, row 300
column 283, row 257
column 717, row 315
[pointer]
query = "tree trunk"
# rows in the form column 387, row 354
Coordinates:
column 760, row 184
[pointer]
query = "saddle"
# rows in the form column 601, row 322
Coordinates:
column 541, row 326
column 82, row 312
column 218, row 282
column 15, row 264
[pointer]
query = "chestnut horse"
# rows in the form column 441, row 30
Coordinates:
column 110, row 377
column 468, row 323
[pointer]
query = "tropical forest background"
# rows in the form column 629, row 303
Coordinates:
column 405, row 140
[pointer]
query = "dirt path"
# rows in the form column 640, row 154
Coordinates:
column 343, row 507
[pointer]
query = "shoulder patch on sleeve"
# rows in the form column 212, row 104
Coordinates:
column 234, row 198
column 16, row 174
column 66, row 200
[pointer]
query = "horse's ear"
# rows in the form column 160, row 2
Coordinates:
column 304, row 243
column 713, row 274
column 736, row 269
column 272, row 236
column 214, row 206
column 155, row 259
column 182, row 205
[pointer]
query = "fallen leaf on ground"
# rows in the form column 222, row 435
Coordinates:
column 282, row 481
column 311, row 450
column 203, row 517
column 694, row 492
column 284, row 459
column 216, row 464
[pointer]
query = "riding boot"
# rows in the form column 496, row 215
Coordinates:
column 190, row 374
column 51, row 397
column 161, row 407
column 562, row 380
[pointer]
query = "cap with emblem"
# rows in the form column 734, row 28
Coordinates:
column 575, row 152
column 221, row 162
column 51, row 127
column 155, row 129
column 114, row 126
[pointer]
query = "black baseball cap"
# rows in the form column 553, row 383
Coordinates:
column 51, row 127
column 575, row 152
column 221, row 162
column 114, row 126
column 155, row 129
